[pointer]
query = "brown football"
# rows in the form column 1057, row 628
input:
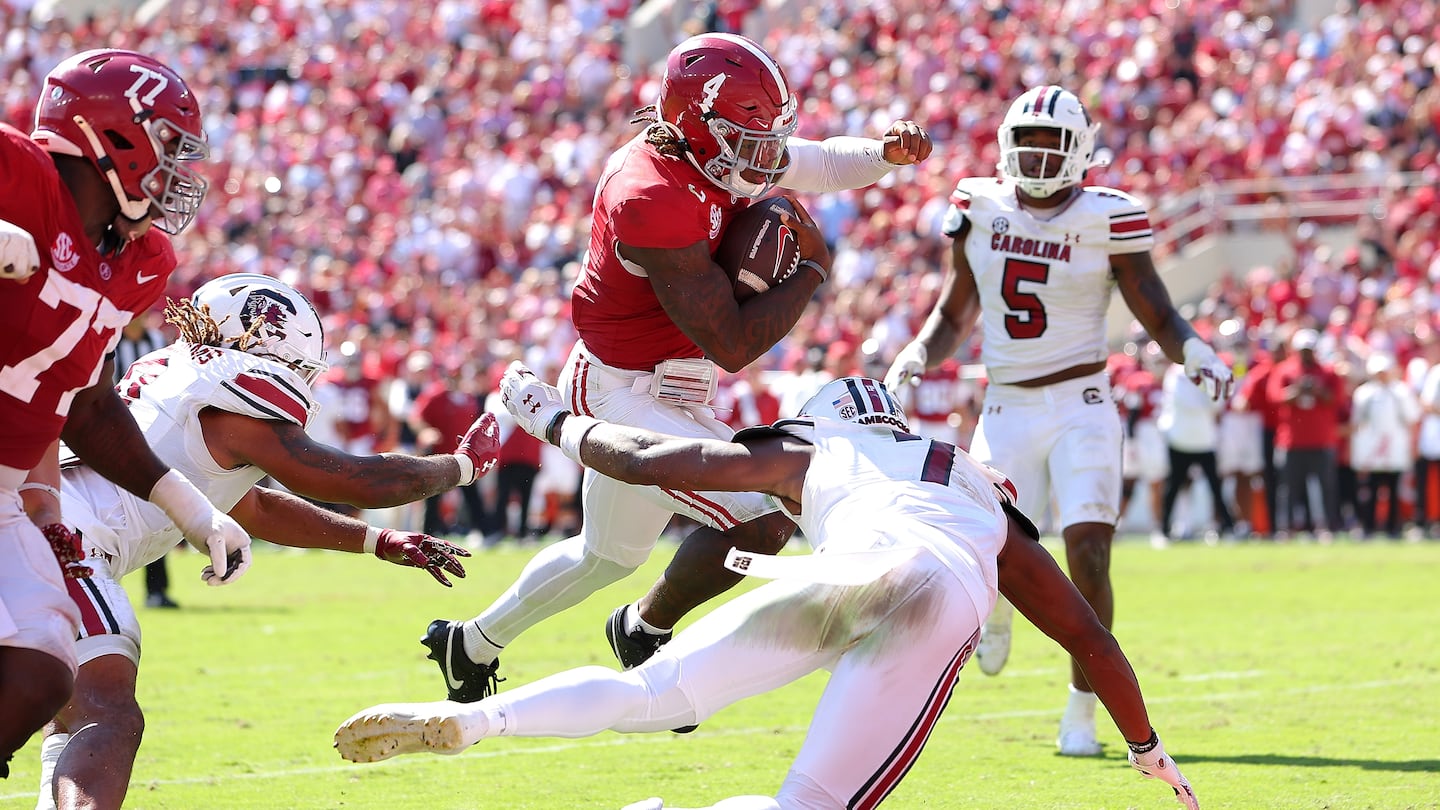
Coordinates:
column 757, row 250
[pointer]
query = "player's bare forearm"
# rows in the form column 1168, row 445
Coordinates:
column 282, row 518
column 765, row 320
column 319, row 471
column 941, row 336
column 103, row 434
column 1034, row 583
column 639, row 456
column 1149, row 301
column 371, row 482
column 953, row 318
column 699, row 298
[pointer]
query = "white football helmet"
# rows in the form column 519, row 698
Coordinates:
column 291, row 333
column 859, row 401
column 1048, row 107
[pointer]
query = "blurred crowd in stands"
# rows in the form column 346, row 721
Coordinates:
column 426, row 180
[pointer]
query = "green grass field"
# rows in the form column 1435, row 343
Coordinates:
column 1280, row 676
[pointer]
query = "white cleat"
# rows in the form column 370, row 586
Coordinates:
column 648, row 804
column 994, row 648
column 1078, row 741
column 391, row 729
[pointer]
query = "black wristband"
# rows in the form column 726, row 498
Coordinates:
column 1145, row 747
column 552, row 430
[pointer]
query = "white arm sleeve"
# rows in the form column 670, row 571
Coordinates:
column 834, row 164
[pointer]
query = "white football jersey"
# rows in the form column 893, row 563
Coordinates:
column 1044, row 285
column 870, row 488
column 166, row 390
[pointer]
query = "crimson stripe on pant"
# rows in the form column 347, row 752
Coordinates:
column 96, row 618
column 717, row 513
column 903, row 757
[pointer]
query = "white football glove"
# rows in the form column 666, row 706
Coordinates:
column 534, row 403
column 1207, row 370
column 209, row 530
column 909, row 365
column 18, row 257
column 1150, row 759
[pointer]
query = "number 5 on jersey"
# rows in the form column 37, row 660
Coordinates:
column 1027, row 320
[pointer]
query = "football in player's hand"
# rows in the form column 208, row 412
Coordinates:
column 758, row 250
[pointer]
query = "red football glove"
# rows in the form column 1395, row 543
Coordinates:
column 479, row 448
column 68, row 550
column 416, row 550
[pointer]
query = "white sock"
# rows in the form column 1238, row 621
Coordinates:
column 478, row 721
column 477, row 646
column 50, row 752
column 1081, row 707
column 634, row 623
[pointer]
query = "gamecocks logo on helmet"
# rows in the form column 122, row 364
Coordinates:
column 269, row 307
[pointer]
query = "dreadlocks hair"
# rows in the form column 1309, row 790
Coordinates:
column 660, row 135
column 198, row 328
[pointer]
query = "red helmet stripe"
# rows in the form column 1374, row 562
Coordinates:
column 1039, row 101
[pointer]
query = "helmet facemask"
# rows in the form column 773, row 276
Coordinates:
column 175, row 187
column 1057, row 110
column 747, row 154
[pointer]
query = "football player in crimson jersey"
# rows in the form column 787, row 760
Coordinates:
column 655, row 316
column 915, row 539
column 115, row 134
column 226, row 405
column 1034, row 259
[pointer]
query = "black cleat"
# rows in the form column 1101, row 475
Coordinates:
column 466, row 680
column 634, row 649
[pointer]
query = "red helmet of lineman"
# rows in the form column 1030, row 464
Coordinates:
column 137, row 122
column 730, row 102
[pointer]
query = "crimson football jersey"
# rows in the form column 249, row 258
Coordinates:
column 355, row 399
column 60, row 324
column 644, row 200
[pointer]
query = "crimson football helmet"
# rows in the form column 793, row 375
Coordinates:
column 729, row 101
column 291, row 333
column 137, row 122
column 859, row 401
column 1048, row 107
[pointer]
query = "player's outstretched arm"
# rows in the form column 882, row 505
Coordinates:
column 846, row 162
column 325, row 473
column 639, row 456
column 290, row 521
column 1034, row 583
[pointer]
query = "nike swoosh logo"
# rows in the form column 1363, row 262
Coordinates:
column 449, row 671
column 141, row 278
column 699, row 195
